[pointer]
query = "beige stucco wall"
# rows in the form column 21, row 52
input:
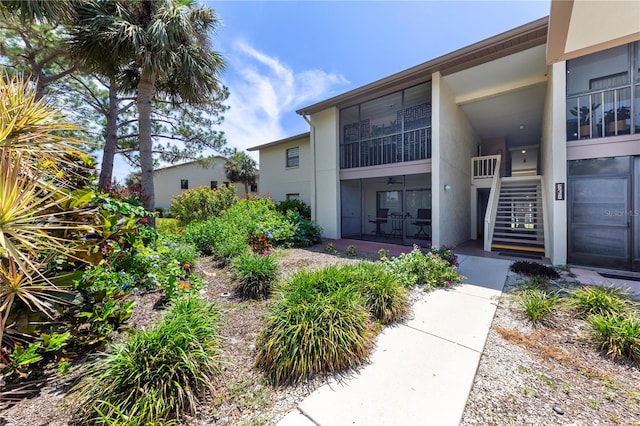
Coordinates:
column 554, row 164
column 167, row 180
column 454, row 143
column 277, row 180
column 325, row 183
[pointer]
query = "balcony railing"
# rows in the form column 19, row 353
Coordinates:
column 600, row 113
column 484, row 167
column 408, row 146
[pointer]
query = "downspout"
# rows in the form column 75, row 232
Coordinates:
column 312, row 132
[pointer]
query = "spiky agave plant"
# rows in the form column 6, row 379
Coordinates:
column 34, row 195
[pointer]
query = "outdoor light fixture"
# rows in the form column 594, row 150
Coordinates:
column 522, row 127
column 524, row 151
column 447, row 187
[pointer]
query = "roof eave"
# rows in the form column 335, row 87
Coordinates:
column 507, row 43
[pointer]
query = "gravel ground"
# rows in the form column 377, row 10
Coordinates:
column 527, row 375
column 548, row 375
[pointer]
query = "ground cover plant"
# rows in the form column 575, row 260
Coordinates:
column 157, row 374
column 436, row 268
column 534, row 269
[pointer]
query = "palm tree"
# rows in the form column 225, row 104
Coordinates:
column 239, row 167
column 167, row 42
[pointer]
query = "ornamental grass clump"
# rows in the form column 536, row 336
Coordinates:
column 254, row 274
column 618, row 335
column 538, row 305
column 385, row 298
column 320, row 325
column 157, row 374
column 599, row 300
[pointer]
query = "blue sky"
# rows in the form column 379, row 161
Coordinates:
column 283, row 55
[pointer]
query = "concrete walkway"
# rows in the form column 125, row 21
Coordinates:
column 421, row 371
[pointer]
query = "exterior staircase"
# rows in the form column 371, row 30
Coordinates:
column 518, row 223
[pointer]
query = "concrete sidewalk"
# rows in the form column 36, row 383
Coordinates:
column 421, row 371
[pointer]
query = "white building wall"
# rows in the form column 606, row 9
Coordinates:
column 554, row 164
column 277, row 180
column 325, row 184
column 167, row 180
column 454, row 143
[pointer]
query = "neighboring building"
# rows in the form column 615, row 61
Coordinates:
column 529, row 140
column 174, row 180
column 288, row 162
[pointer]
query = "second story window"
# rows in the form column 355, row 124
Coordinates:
column 293, row 157
column 184, row 183
column 603, row 93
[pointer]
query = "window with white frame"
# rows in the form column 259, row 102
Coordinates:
column 184, row 183
column 293, row 157
column 293, row 196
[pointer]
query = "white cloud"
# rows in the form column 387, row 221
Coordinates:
column 265, row 92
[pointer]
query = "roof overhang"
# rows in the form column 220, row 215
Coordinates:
column 280, row 141
column 580, row 27
column 510, row 42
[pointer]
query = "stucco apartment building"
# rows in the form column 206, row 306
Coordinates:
column 173, row 180
column 529, row 141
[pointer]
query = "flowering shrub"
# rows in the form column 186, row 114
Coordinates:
column 306, row 232
column 202, row 203
column 446, row 254
column 417, row 268
column 295, row 206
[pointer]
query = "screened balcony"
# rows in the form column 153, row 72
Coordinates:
column 392, row 129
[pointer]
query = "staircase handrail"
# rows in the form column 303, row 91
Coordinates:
column 492, row 206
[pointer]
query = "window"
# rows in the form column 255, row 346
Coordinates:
column 214, row 184
column 293, row 196
column 293, row 157
column 254, row 187
column 390, row 129
column 601, row 94
column 184, row 183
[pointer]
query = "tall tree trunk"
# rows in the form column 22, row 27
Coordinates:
column 246, row 187
column 110, row 138
column 145, row 93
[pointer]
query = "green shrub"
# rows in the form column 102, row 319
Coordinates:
column 296, row 206
column 385, row 298
column 254, row 274
column 416, row 268
column 538, row 305
column 319, row 325
column 166, row 226
column 202, row 235
column 351, row 250
column 533, row 268
column 446, row 253
column 306, row 232
column 331, row 248
column 383, row 253
column 599, row 300
column 157, row 374
column 619, row 335
column 202, row 203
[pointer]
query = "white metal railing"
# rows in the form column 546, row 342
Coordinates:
column 485, row 167
column 492, row 205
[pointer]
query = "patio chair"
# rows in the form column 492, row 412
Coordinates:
column 423, row 219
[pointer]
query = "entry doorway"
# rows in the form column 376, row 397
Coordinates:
column 483, row 201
